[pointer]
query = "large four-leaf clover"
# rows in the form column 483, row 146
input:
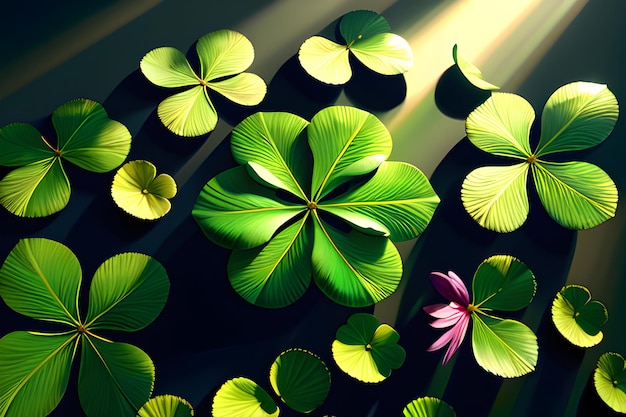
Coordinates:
column 366, row 35
column 86, row 137
column 41, row 279
column 294, row 210
column 224, row 55
column 577, row 195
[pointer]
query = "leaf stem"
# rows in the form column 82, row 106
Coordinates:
column 52, row 148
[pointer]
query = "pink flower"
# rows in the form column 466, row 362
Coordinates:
column 456, row 314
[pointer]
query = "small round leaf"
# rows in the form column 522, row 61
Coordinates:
column 577, row 317
column 166, row 406
column 242, row 397
column 428, row 407
column 610, row 381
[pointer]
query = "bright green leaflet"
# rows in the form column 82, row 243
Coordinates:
column 366, row 349
column 609, row 379
column 301, row 379
column 503, row 283
column 41, row 278
column 366, row 35
column 139, row 191
column 471, row 72
column 428, row 407
column 577, row 317
column 166, row 406
column 85, row 136
column 242, row 397
column 222, row 53
column 577, row 195
column 506, row 348
column 280, row 209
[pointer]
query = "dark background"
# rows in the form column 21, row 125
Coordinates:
column 57, row 51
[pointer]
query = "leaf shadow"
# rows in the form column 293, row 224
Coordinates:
column 455, row 96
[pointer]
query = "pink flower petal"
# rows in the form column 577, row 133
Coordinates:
column 457, row 338
column 442, row 341
column 440, row 311
column 451, row 287
column 447, row 321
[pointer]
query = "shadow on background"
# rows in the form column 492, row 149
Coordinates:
column 455, row 96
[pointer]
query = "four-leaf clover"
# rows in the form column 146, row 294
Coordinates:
column 501, row 346
column 577, row 195
column 224, row 55
column 86, row 137
column 299, row 206
column 41, row 279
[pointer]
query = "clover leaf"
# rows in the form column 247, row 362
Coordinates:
column 86, row 137
column 166, row 406
column 41, row 279
column 366, row 34
column 367, row 350
column 471, row 72
column 299, row 377
column 428, row 407
column 224, row 56
column 577, row 317
column 609, row 379
column 140, row 192
column 286, row 209
column 577, row 195
column 503, row 347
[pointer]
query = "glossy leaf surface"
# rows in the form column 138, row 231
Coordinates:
column 138, row 190
column 242, row 397
column 503, row 283
column 609, row 379
column 35, row 370
column 114, row 378
column 505, row 348
column 471, row 72
column 166, row 406
column 428, row 407
column 366, row 349
column 301, row 379
column 577, row 317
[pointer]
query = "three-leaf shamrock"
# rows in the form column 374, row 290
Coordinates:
column 577, row 195
column 41, row 279
column 299, row 206
column 366, row 35
column 85, row 137
column 501, row 346
column 609, row 378
column 224, row 55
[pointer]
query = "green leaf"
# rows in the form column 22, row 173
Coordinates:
column 114, row 378
column 22, row 144
column 41, row 278
column 577, row 317
column 609, row 379
column 345, row 142
column 128, row 291
column 504, row 283
column 245, row 89
column 140, row 192
column 300, row 379
column 236, row 212
column 366, row 349
column 278, row 273
column 428, row 407
column 36, row 190
column 354, row 269
column 577, row 116
column 384, row 53
column 398, row 197
column 496, row 196
column 87, row 136
column 325, row 60
column 272, row 146
column 166, row 406
column 168, row 67
column 471, row 72
column 577, row 195
column 505, row 348
column 224, row 52
column 501, row 126
column 35, row 369
column 362, row 24
column 188, row 113
column 242, row 397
